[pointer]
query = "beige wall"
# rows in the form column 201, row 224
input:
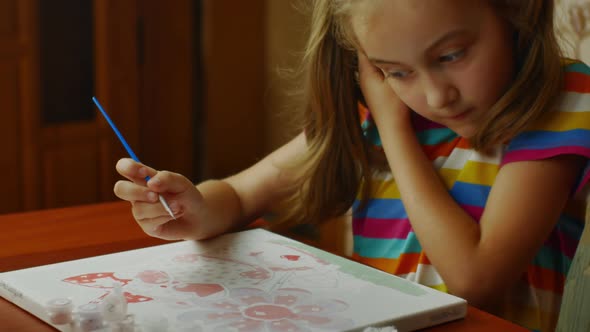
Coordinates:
column 573, row 27
column 286, row 29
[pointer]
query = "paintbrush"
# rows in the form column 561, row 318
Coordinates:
column 130, row 152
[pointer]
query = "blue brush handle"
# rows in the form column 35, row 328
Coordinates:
column 117, row 132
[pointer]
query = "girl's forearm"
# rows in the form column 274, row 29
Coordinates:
column 449, row 236
column 221, row 209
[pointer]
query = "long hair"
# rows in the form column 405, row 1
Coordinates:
column 539, row 77
column 329, row 174
column 339, row 159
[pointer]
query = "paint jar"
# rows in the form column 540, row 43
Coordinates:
column 90, row 317
column 114, row 305
column 60, row 311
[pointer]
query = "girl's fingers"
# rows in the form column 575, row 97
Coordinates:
column 367, row 69
column 165, row 181
column 134, row 171
column 132, row 192
column 150, row 217
column 152, row 213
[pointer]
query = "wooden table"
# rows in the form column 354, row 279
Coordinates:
column 56, row 235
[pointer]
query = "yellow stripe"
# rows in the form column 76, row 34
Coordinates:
column 562, row 121
column 384, row 189
column 448, row 176
column 479, row 173
column 441, row 287
column 389, row 189
column 568, row 61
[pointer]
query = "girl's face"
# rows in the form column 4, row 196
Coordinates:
column 448, row 60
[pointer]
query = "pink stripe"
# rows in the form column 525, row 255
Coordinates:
column 474, row 211
column 421, row 123
column 523, row 155
column 382, row 228
column 396, row 228
column 563, row 243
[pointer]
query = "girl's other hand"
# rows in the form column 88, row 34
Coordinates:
column 382, row 101
column 182, row 196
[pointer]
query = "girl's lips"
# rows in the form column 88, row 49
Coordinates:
column 461, row 115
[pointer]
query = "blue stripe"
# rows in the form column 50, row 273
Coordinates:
column 371, row 134
column 553, row 260
column 578, row 67
column 470, row 194
column 436, row 136
column 386, row 248
column 550, row 139
column 384, row 208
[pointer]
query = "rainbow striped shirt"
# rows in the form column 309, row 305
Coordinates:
column 383, row 235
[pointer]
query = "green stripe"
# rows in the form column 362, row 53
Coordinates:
column 570, row 226
column 553, row 260
column 578, row 67
column 436, row 136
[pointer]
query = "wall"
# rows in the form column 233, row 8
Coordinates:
column 286, row 31
column 233, row 65
column 573, row 27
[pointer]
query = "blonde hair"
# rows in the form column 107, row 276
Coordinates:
column 339, row 158
column 539, row 78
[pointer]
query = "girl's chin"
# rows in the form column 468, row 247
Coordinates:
column 465, row 132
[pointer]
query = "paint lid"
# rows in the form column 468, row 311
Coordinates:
column 90, row 311
column 61, row 304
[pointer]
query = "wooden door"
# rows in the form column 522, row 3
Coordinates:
column 77, row 149
column 170, row 85
column 183, row 80
column 19, row 124
column 57, row 150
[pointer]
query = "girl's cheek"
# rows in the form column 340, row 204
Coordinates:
column 411, row 98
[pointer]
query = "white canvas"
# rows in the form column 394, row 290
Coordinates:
column 248, row 281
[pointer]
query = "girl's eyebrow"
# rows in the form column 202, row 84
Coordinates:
column 376, row 62
column 446, row 37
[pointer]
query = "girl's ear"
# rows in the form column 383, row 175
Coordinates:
column 355, row 61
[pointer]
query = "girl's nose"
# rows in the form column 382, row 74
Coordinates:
column 439, row 92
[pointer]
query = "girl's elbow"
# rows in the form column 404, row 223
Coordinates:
column 477, row 291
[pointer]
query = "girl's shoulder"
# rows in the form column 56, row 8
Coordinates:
column 572, row 110
column 576, row 78
column 562, row 130
column 568, row 122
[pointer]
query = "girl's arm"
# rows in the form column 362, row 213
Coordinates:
column 260, row 187
column 476, row 261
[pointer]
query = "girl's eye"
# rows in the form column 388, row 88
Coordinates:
column 398, row 74
column 454, row 56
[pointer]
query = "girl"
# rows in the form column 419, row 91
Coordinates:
column 452, row 128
